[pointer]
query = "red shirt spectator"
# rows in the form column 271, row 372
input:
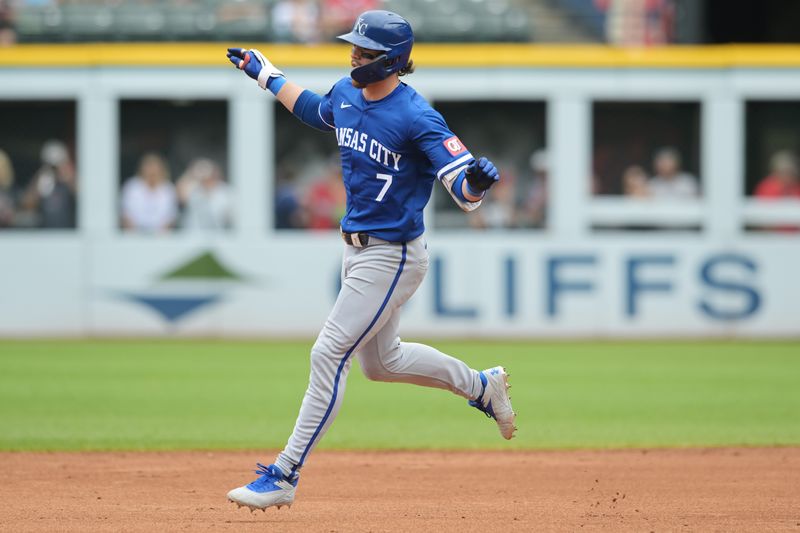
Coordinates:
column 781, row 183
column 783, row 180
column 773, row 186
column 326, row 201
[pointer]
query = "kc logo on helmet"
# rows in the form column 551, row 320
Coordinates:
column 454, row 146
column 361, row 26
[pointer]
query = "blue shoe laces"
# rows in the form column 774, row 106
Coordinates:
column 487, row 410
column 478, row 403
column 269, row 476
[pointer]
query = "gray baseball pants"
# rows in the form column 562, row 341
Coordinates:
column 376, row 281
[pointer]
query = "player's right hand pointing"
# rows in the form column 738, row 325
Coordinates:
column 254, row 64
column 481, row 174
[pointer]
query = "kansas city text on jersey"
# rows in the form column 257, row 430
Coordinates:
column 361, row 142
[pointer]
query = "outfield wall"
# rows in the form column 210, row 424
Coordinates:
column 538, row 287
column 567, row 280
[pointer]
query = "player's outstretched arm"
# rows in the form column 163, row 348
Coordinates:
column 303, row 103
column 261, row 69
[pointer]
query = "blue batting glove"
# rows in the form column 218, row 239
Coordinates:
column 255, row 65
column 244, row 60
column 481, row 174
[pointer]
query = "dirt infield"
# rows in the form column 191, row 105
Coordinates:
column 656, row 490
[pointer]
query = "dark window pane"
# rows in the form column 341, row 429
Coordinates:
column 772, row 147
column 173, row 166
column 646, row 148
column 773, row 144
column 38, row 180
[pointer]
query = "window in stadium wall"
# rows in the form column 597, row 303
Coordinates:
column 308, row 189
column 772, row 169
column 38, row 178
column 647, row 150
column 772, row 149
column 174, row 166
column 512, row 135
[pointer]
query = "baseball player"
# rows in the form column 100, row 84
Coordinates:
column 393, row 147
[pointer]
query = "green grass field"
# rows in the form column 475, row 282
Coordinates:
column 206, row 394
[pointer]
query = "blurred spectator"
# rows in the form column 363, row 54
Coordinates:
column 338, row 15
column 296, row 21
column 635, row 185
column 289, row 212
column 634, row 182
column 8, row 32
column 670, row 182
column 149, row 200
column 534, row 210
column 204, row 196
column 239, row 11
column 325, row 199
column 782, row 182
column 49, row 199
column 7, row 200
column 638, row 22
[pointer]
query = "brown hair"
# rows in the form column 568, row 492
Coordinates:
column 6, row 171
column 408, row 69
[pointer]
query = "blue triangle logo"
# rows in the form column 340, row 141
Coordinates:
column 173, row 308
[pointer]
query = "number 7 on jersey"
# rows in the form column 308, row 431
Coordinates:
column 388, row 179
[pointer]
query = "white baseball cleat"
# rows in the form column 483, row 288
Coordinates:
column 495, row 402
column 272, row 489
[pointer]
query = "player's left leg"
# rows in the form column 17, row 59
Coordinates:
column 386, row 358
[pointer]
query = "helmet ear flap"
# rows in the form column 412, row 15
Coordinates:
column 389, row 63
column 376, row 70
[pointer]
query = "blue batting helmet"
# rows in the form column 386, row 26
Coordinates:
column 386, row 32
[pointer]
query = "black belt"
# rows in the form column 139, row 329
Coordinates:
column 361, row 240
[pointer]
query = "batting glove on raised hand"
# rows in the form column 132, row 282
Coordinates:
column 255, row 65
column 481, row 174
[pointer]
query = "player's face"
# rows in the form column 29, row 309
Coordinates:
column 362, row 56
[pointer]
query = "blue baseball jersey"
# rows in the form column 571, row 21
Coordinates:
column 392, row 151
